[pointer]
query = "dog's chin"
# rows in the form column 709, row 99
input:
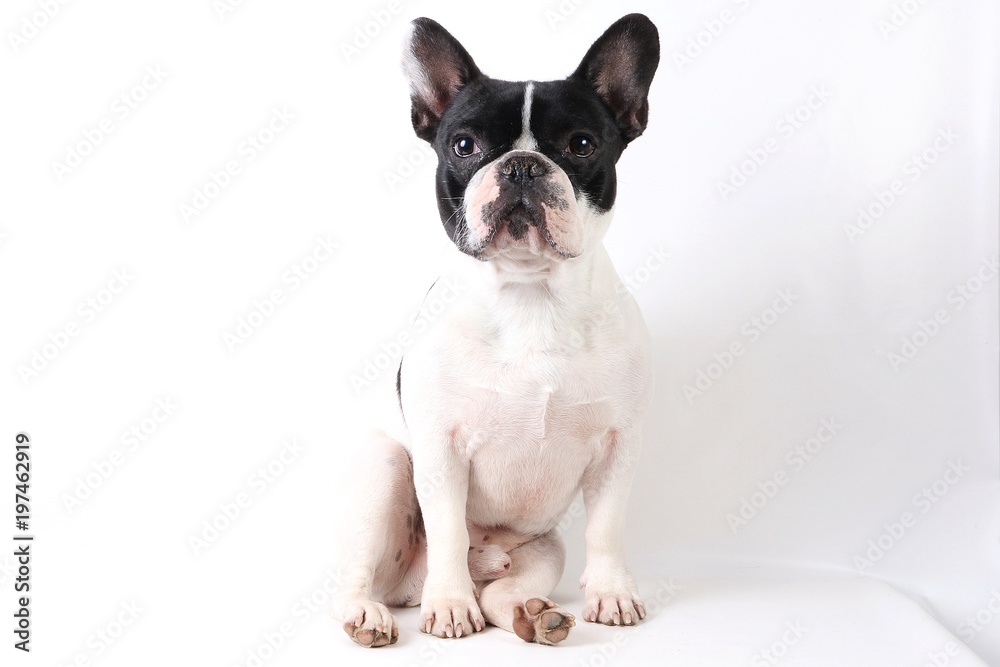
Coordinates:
column 530, row 242
column 528, row 248
column 524, row 242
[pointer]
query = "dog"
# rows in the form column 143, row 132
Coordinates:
column 533, row 384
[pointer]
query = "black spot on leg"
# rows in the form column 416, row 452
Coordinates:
column 418, row 522
column 486, row 538
column 399, row 389
column 399, row 554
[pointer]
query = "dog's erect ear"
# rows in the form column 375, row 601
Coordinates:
column 620, row 66
column 437, row 67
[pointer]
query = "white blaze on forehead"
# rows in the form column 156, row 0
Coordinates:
column 526, row 142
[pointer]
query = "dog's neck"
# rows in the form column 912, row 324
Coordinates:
column 564, row 281
column 544, row 305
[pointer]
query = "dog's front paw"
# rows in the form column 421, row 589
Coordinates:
column 614, row 608
column 539, row 620
column 369, row 623
column 452, row 616
column 612, row 600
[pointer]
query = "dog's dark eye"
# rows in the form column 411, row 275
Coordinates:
column 581, row 145
column 465, row 146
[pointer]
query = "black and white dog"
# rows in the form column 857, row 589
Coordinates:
column 534, row 383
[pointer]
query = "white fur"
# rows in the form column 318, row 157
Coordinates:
column 527, row 141
column 529, row 387
column 412, row 68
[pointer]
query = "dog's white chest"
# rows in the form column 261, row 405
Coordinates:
column 527, row 453
column 525, row 388
column 537, row 398
column 533, row 419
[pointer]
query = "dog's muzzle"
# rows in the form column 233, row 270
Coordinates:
column 525, row 189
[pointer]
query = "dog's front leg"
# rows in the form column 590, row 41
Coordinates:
column 611, row 594
column 441, row 476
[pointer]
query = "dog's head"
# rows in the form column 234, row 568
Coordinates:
column 526, row 170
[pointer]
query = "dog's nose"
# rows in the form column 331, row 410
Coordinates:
column 523, row 168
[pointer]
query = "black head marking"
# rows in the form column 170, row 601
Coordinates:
column 472, row 120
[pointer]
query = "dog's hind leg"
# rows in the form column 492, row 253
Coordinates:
column 387, row 556
column 517, row 602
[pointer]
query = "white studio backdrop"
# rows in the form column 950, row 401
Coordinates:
column 216, row 223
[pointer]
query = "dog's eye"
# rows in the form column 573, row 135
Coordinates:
column 581, row 145
column 465, row 146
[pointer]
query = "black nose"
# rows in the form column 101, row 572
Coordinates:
column 522, row 169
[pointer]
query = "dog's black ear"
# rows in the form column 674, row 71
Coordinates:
column 620, row 66
column 437, row 67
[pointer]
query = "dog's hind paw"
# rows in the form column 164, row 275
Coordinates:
column 540, row 620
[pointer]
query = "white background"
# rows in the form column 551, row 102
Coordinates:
column 347, row 168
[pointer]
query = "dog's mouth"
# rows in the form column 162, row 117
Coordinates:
column 519, row 229
column 521, row 218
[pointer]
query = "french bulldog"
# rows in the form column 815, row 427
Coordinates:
column 530, row 386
